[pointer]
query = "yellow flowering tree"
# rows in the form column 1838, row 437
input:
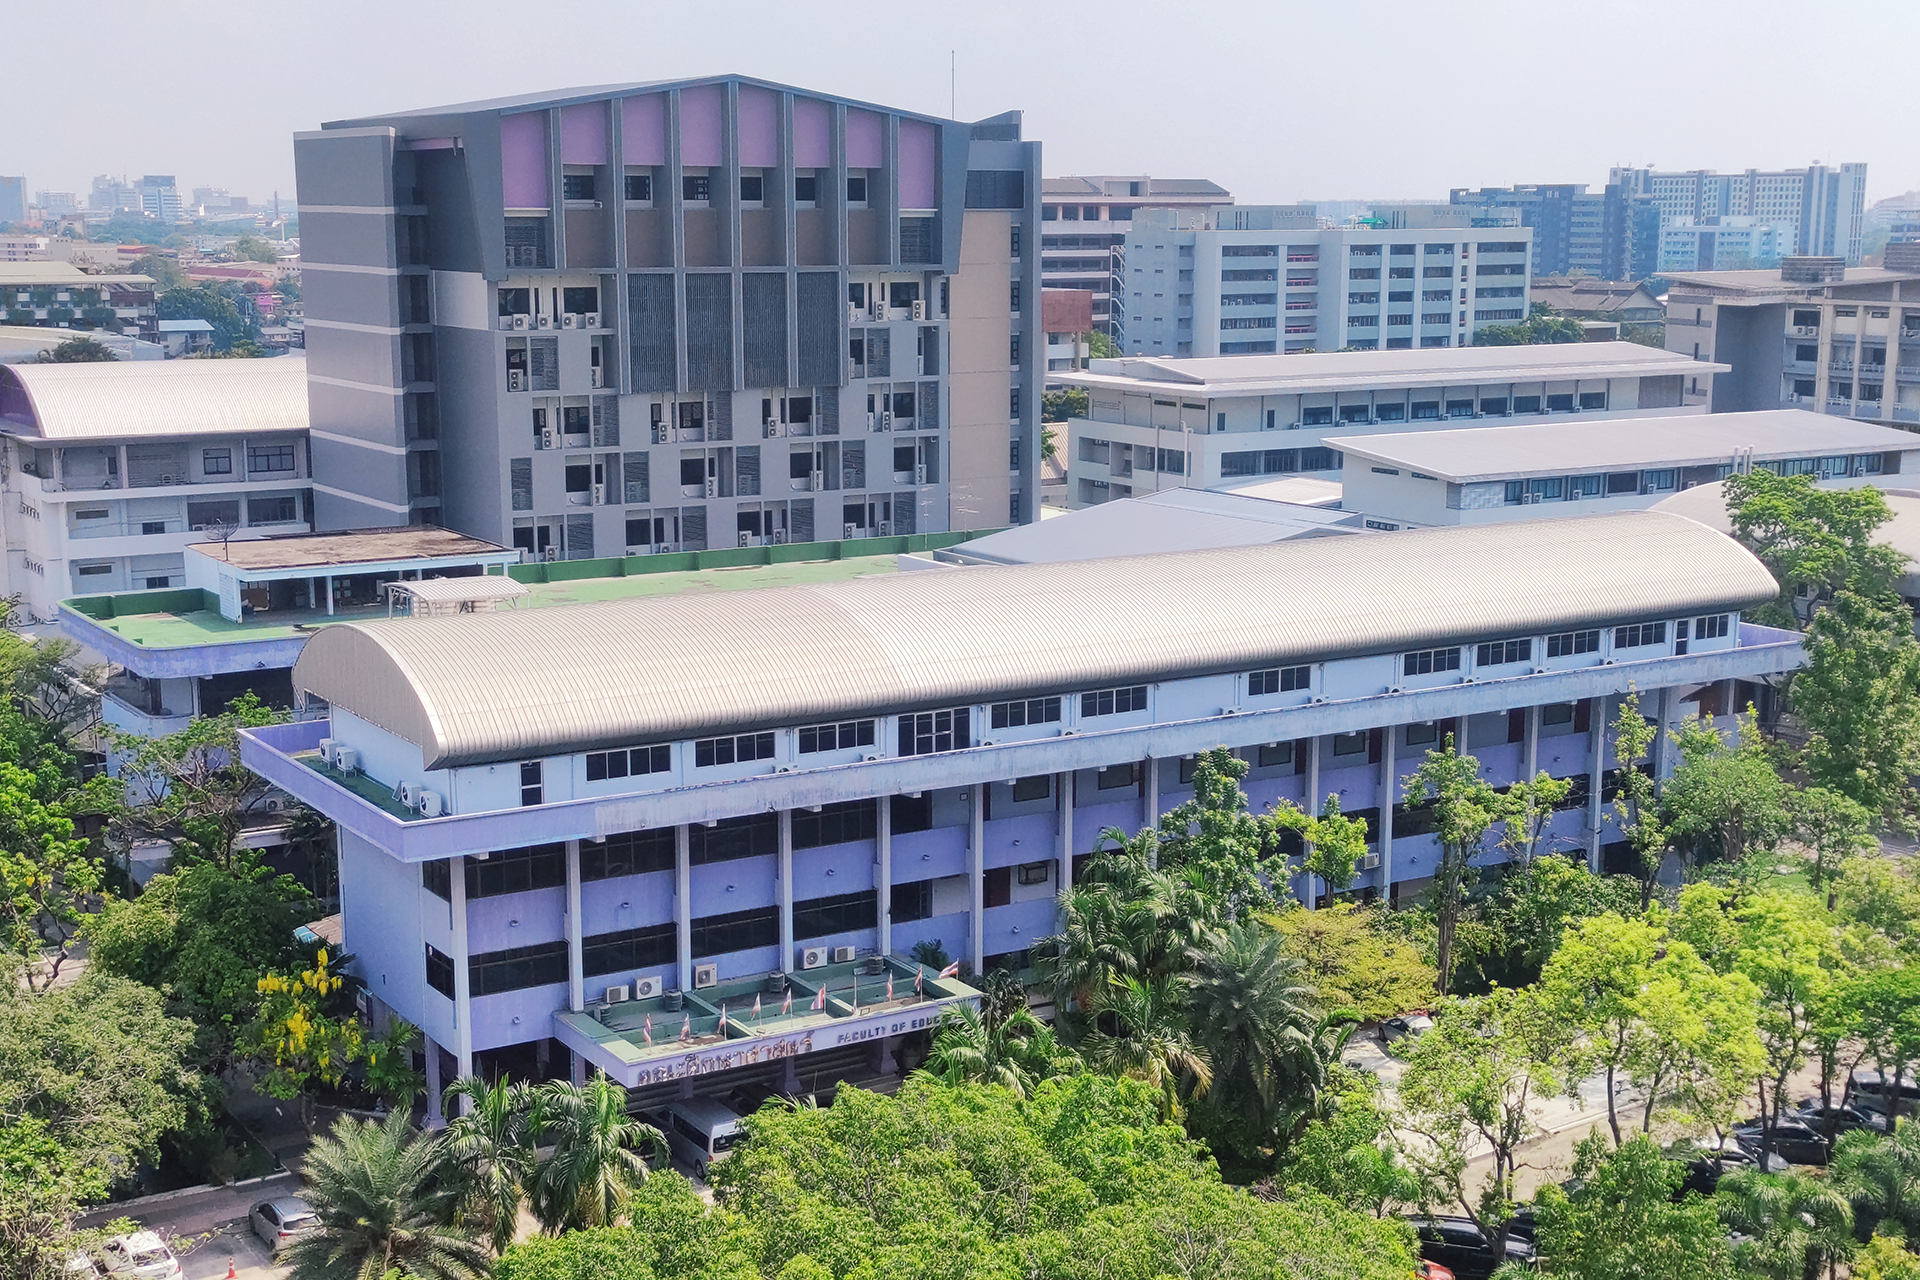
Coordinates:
column 296, row 1038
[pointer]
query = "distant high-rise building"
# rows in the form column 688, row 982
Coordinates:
column 57, row 202
column 1610, row 234
column 1825, row 206
column 1723, row 243
column 113, row 195
column 159, row 198
column 1084, row 230
column 13, row 199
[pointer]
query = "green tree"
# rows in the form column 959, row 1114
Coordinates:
column 190, row 789
column 490, row 1152
column 1014, row 1050
column 49, row 875
column 1061, row 403
column 1101, row 346
column 1465, row 808
column 1255, row 1018
column 1349, row 1156
column 254, row 249
column 1786, row 946
column 597, row 1155
column 1334, row 843
column 1354, row 960
column 1880, row 1175
column 1214, row 840
column 1143, row 1034
column 79, row 349
column 1724, row 800
column 383, row 1208
column 1517, row 919
column 1835, row 828
column 1620, row 1218
column 389, row 1064
column 1816, row 542
column 1525, row 832
column 1795, row 1226
column 1593, row 985
column 214, row 303
column 1859, row 698
column 299, row 1035
column 1543, row 325
column 1635, row 809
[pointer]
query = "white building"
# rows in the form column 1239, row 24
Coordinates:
column 1484, row 475
column 1084, row 225
column 113, row 469
column 1220, row 422
column 1825, row 206
column 1723, row 244
column 1271, row 279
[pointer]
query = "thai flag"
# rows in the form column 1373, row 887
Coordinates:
column 723, row 1019
column 951, row 971
column 756, row 1006
column 686, row 1027
column 919, row 976
column 889, row 987
column 820, row 998
column 647, row 1031
column 786, row 1006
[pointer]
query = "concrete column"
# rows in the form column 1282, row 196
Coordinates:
column 786, row 891
column 976, row 874
column 1662, row 748
column 1533, row 742
column 435, row 1119
column 1596, row 762
column 327, row 583
column 576, row 968
column 883, row 870
column 1153, row 792
column 683, row 904
column 1313, row 799
column 1063, row 784
column 462, row 978
column 1389, row 787
column 1820, row 379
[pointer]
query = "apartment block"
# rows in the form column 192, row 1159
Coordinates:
column 60, row 295
column 1223, row 422
column 1269, row 279
column 1612, row 234
column 1723, row 243
column 1826, row 206
column 714, row 873
column 1085, row 247
column 674, row 316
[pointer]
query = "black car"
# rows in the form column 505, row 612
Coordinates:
column 1841, row 1119
column 1706, row 1166
column 1870, row 1091
column 1458, row 1245
column 1794, row 1140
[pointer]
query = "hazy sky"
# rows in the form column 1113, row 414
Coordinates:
column 1276, row 101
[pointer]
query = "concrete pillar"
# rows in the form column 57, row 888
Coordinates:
column 976, row 874
column 1820, row 378
column 462, row 977
column 1663, row 750
column 576, row 968
column 1153, row 792
column 786, row 891
column 683, row 903
column 576, row 1067
column 1533, row 742
column 1313, row 798
column 1389, row 789
column 883, row 870
column 1596, row 763
column 327, row 582
column 1063, row 787
column 435, row 1119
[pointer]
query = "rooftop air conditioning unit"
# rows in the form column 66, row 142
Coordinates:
column 705, row 975
column 569, row 320
column 619, row 993
column 919, row 309
column 813, row 958
column 646, row 988
column 843, row 955
column 713, row 487
column 779, row 537
column 920, row 474
column 516, row 380
column 878, row 307
column 543, row 322
column 592, row 319
column 773, row 428
column 506, row 322
column 326, row 750
column 520, row 320
column 661, row 548
column 746, row 539
column 1370, row 862
column 346, row 759
column 551, row 555
column 430, row 804
column 886, row 528
column 846, row 530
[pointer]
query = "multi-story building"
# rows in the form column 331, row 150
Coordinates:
column 701, row 313
column 1481, row 475
column 61, row 295
column 159, row 197
column 55, row 203
column 1723, row 243
column 589, row 859
column 113, row 469
column 111, row 195
column 1612, row 234
column 1814, row 333
column 13, row 199
column 1209, row 423
column 1084, row 247
column 1825, row 206
column 1269, row 279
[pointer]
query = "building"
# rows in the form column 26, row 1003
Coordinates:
column 159, row 198
column 185, row 337
column 16, row 246
column 1066, row 315
column 1723, row 243
column 112, row 195
column 1221, row 422
column 1825, row 206
column 1270, row 279
column 528, row 848
column 22, row 344
column 666, row 316
column 1612, row 234
column 56, row 203
column 13, row 199
column 1814, row 333
column 1091, row 253
column 113, row 469
column 60, row 295
column 1588, row 299
column 1481, row 475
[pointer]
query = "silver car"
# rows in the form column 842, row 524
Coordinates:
column 281, row 1221
column 140, row 1256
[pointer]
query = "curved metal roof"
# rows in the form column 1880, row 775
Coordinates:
column 111, row 400
column 501, row 686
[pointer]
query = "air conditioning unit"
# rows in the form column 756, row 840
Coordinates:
column 886, row 420
column 920, row 474
column 549, row 438
column 886, row 528
column 847, row 530
column 813, row 957
column 1370, row 862
column 599, row 495
column 877, row 308
column 520, row 321
column 779, row 537
column 516, row 380
column 662, row 433
column 661, row 548
column 646, row 988
column 919, row 309
column 619, row 993
column 430, row 804
column 326, row 750
column 543, row 322
column 713, row 487
column 843, row 955
column 592, row 320
column 275, row 804
column 346, row 759
column 773, row 428
column 506, row 322
column 597, row 378
column 551, row 555
column 746, row 539
column 569, row 320
column 705, row 975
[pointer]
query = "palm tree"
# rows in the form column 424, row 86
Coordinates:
column 1150, row 1039
column 490, row 1151
column 1015, row 1051
column 382, row 1208
column 596, row 1158
column 1249, row 1008
column 1797, row 1226
column 1880, row 1174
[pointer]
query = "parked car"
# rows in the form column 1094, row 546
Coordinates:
column 1707, row 1163
column 1870, row 1091
column 1424, row 1270
column 1794, row 1140
column 140, row 1256
column 81, row 1267
column 1405, row 1026
column 699, row 1131
column 1842, row 1119
column 1458, row 1245
column 280, row 1222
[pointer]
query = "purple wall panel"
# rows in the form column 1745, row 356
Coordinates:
column 950, row 930
column 643, row 129
column 1018, row 926
column 759, row 128
column 927, row 855
column 523, row 160
column 812, row 134
column 753, row 880
column 583, row 134
column 516, row 920
column 649, row 900
column 701, row 109
column 1028, row 838
column 851, row 866
column 919, row 158
column 866, row 141
column 493, row 1016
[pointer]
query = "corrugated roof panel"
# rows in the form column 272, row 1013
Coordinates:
column 165, row 397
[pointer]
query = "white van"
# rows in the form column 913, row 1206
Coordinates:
column 699, row 1131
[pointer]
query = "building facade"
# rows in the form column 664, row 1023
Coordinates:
column 1269, row 279
column 1723, row 243
column 704, row 313
column 13, row 198
column 526, row 850
column 1612, row 234
column 1825, row 206
column 60, row 295
column 1083, row 241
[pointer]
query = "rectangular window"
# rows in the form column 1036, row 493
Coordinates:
column 1037, row 787
column 1639, row 635
column 806, row 188
column 631, row 763
column 517, row 968
column 1427, row 661
column 281, row 508
column 440, row 971
column 739, row 749
column 217, row 462
column 639, row 187
column 752, row 188
column 1278, row 680
column 841, row 823
column 845, row 736
column 269, row 457
column 627, row 949
column 1558, row 712
column 631, row 853
column 576, row 186
column 1425, row 409
column 1013, row 715
column 437, row 879
column 1274, row 754
column 1114, row 777
column 1593, row 399
column 1111, row 702
column 1569, row 643
column 1714, row 627
column 1501, row 652
column 842, row 913
column 695, row 188
column 1526, row 404
column 1420, row 735
column 530, row 789
column 753, row 836
column 911, row 901
column 736, row 931
column 540, row 866
column 1560, row 403
column 1350, row 744
column 925, row 732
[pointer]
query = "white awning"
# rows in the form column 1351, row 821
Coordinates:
column 480, row 593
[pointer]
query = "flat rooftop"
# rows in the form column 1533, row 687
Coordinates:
column 1764, row 282
column 27, row 274
column 1219, row 376
column 1172, row 520
column 1623, row 444
column 359, row 546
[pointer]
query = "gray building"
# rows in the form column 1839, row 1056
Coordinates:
column 1613, row 234
column 13, row 199
column 671, row 316
column 1825, row 205
column 1083, row 241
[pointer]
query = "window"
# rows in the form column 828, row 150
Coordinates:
column 631, row 853
column 1501, row 652
column 1318, row 416
column 735, row 931
column 1419, row 735
column 842, row 913
column 1569, row 643
column 1239, row 464
column 1114, row 777
column 530, row 776
column 1560, row 404
column 1526, row 404
column 752, row 188
column 840, row 823
column 273, row 509
column 1639, row 635
column 217, row 462
column 517, row 968
column 576, row 186
column 1558, row 712
column 1583, row 487
column 1173, row 462
column 844, row 736
column 1363, row 273
column 910, row 902
column 740, row 749
column 541, row 866
column 1037, row 787
column 440, row 971
column 1013, row 296
column 1425, row 409
column 437, row 879
column 627, row 949
column 1320, row 459
column 756, row 835
column 1427, row 661
column 1278, row 680
column 696, row 188
column 1274, row 754
column 639, row 187
column 634, row 762
column 269, row 457
column 1013, row 715
column 1350, row 744
column 806, row 188
column 1658, row 481
column 1109, row 702
column 1714, row 627
column 1593, row 399
column 924, row 732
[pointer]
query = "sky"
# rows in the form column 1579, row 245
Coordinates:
column 1277, row 101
